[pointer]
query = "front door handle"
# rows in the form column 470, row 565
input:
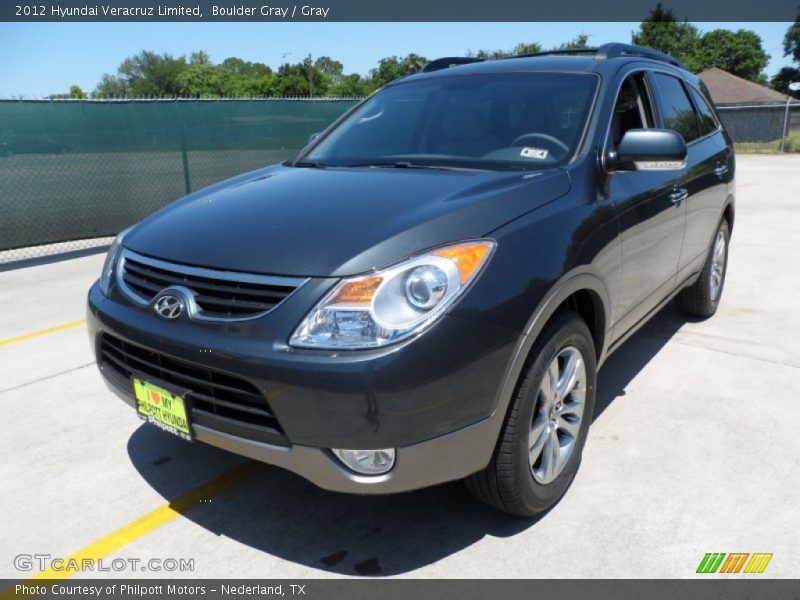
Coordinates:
column 679, row 195
column 721, row 170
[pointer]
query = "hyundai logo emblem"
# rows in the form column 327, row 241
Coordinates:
column 168, row 307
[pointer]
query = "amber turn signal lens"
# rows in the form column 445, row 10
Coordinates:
column 468, row 257
column 358, row 292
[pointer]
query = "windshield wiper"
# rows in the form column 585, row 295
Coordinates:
column 405, row 164
column 310, row 164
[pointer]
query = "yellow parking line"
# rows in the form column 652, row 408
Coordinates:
column 148, row 522
column 35, row 334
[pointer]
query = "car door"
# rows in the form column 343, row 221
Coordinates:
column 649, row 209
column 710, row 161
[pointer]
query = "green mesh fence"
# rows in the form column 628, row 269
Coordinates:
column 88, row 169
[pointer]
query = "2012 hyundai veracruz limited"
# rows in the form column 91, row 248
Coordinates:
column 426, row 291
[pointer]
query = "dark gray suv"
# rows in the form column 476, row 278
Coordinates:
column 426, row 291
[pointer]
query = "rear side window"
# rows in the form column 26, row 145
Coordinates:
column 676, row 109
column 708, row 122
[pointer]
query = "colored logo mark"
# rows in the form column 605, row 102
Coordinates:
column 734, row 562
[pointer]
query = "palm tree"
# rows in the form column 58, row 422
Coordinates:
column 414, row 63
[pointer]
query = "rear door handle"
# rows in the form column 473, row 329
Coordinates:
column 679, row 195
column 721, row 170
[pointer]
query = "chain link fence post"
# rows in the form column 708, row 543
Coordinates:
column 784, row 129
column 185, row 160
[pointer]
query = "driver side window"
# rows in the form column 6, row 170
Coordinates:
column 632, row 109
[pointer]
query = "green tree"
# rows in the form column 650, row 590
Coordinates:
column 791, row 47
column 414, row 63
column 206, row 80
column 111, row 87
column 493, row 54
column 393, row 67
column 245, row 68
column 662, row 31
column 75, row 93
column 293, row 80
column 578, row 42
column 791, row 41
column 332, row 68
column 150, row 74
column 388, row 69
column 201, row 57
column 233, row 78
column 519, row 49
column 352, row 86
column 291, row 84
column 527, row 48
column 263, row 85
column 737, row 52
column 781, row 80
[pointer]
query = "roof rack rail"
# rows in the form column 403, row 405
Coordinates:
column 565, row 52
column 613, row 50
column 616, row 50
column 449, row 61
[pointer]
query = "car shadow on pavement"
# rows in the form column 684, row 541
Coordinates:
column 622, row 366
column 279, row 513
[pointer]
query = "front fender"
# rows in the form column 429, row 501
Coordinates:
column 565, row 287
column 542, row 259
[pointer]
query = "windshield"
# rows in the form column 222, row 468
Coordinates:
column 490, row 121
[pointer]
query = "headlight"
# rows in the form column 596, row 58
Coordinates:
column 110, row 264
column 395, row 303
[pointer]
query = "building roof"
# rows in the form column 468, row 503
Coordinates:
column 726, row 88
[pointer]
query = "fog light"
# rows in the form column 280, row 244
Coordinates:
column 367, row 462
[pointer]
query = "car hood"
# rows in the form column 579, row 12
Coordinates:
column 337, row 221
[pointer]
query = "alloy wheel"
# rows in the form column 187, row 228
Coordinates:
column 558, row 415
column 717, row 266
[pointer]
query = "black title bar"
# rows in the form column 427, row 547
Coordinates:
column 391, row 11
column 710, row 588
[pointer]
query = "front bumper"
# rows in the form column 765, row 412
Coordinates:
column 445, row 458
column 432, row 398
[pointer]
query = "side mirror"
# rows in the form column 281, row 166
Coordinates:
column 314, row 136
column 648, row 150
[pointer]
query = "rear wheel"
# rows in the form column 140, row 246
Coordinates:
column 701, row 299
column 540, row 446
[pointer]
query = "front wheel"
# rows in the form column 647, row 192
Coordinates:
column 701, row 299
column 540, row 446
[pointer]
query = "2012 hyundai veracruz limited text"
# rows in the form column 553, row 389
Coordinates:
column 426, row 291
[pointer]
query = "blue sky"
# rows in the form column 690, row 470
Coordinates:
column 43, row 58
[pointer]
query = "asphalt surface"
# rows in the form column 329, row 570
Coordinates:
column 694, row 449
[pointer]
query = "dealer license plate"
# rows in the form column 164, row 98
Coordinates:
column 162, row 408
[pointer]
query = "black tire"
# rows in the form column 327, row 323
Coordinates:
column 507, row 483
column 697, row 300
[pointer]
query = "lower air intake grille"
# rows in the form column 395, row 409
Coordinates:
column 216, row 400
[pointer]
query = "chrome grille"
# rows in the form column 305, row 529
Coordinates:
column 217, row 295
